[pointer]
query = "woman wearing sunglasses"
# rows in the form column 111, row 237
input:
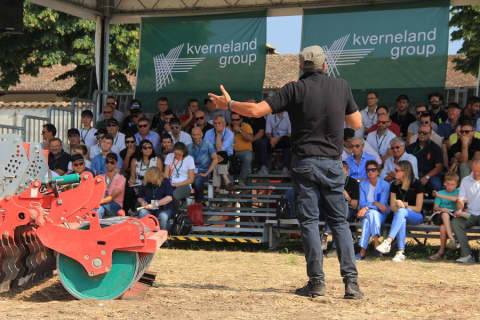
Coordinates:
column 374, row 192
column 145, row 160
column 180, row 169
column 406, row 200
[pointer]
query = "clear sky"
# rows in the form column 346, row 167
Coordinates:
column 284, row 33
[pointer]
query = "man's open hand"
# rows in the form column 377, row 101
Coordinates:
column 221, row 102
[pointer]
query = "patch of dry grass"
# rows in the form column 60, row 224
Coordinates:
column 200, row 284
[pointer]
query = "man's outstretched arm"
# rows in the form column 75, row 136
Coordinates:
column 246, row 109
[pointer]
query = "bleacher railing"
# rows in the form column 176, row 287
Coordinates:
column 64, row 118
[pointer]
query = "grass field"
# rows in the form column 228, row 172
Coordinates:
column 230, row 283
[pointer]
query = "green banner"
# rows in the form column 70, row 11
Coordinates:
column 187, row 57
column 383, row 47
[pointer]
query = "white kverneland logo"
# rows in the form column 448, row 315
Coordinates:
column 336, row 55
column 400, row 44
column 171, row 63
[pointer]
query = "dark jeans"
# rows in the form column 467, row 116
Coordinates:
column 260, row 147
column 263, row 149
column 199, row 187
column 319, row 185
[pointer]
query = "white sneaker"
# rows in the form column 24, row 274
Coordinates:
column 452, row 244
column 384, row 247
column 466, row 259
column 399, row 257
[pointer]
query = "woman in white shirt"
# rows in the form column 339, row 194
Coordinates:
column 180, row 169
column 146, row 160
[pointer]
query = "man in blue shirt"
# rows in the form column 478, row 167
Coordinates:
column 144, row 133
column 448, row 127
column 357, row 160
column 98, row 163
column 205, row 157
column 222, row 139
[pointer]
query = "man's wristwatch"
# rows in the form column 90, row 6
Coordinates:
column 428, row 177
column 230, row 105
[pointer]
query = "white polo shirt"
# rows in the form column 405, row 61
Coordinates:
column 380, row 144
column 470, row 192
column 389, row 165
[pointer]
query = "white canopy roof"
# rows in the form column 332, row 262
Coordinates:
column 130, row 11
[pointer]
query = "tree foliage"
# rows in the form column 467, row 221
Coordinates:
column 467, row 20
column 50, row 38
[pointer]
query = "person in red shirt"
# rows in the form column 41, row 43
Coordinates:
column 187, row 120
column 383, row 110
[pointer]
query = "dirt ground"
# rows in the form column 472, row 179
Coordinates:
column 202, row 284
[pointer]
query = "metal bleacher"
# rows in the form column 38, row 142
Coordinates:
column 239, row 216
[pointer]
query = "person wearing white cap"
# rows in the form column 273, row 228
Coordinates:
column 318, row 106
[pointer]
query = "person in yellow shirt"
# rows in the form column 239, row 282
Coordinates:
column 242, row 145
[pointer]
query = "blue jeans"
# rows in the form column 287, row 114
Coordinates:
column 199, row 186
column 435, row 183
column 261, row 154
column 162, row 215
column 246, row 158
column 401, row 218
column 372, row 226
column 109, row 209
column 319, row 185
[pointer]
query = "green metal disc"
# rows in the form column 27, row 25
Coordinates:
column 107, row 286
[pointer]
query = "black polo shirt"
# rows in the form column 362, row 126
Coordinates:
column 403, row 121
column 257, row 124
column 427, row 157
column 59, row 163
column 474, row 147
column 317, row 105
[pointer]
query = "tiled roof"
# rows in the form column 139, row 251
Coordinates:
column 280, row 69
column 457, row 78
column 44, row 82
column 33, row 105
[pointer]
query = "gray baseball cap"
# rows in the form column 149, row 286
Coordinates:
column 314, row 56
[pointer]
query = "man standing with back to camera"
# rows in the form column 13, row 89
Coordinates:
column 317, row 171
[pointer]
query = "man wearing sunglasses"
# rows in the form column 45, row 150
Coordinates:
column 99, row 162
column 426, row 119
column 397, row 146
column 117, row 114
column 129, row 124
column 357, row 160
column 429, row 158
column 107, row 116
column 242, row 145
column 96, row 149
column 177, row 134
column 380, row 138
column 78, row 164
column 144, row 133
column 201, row 122
column 114, row 194
column 420, row 110
column 466, row 148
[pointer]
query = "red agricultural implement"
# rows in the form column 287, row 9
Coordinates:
column 52, row 223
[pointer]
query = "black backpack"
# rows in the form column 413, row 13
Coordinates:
column 283, row 209
column 182, row 224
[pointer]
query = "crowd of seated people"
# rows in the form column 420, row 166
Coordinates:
column 154, row 163
column 398, row 157
column 401, row 158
